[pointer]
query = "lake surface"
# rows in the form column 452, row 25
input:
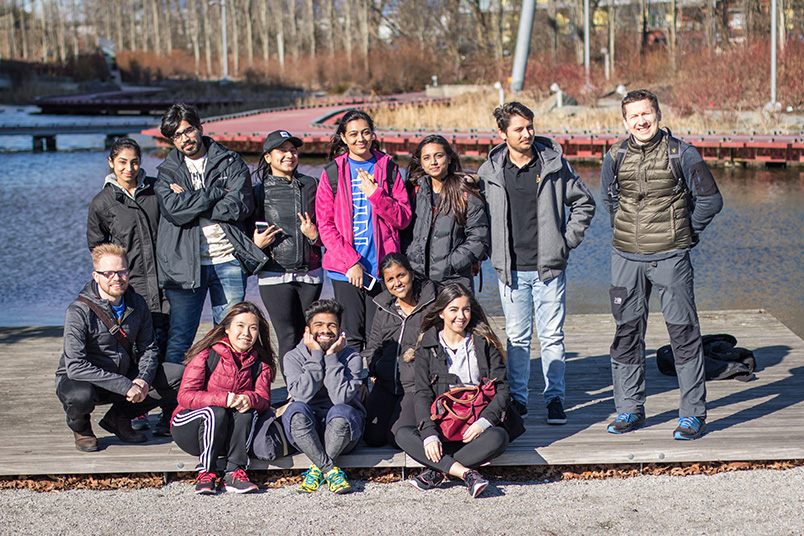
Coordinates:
column 750, row 257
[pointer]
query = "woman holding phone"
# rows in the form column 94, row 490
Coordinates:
column 284, row 227
column 361, row 206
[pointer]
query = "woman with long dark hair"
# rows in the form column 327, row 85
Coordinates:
column 226, row 385
column 284, row 228
column 458, row 348
column 361, row 206
column 389, row 351
column 450, row 230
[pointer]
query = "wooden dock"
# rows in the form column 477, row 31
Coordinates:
column 759, row 420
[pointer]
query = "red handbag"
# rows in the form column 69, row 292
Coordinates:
column 459, row 408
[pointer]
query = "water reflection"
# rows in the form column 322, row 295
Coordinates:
column 749, row 258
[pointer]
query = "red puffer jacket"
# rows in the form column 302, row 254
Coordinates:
column 231, row 375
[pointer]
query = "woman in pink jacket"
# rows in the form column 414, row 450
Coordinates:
column 361, row 205
column 226, row 385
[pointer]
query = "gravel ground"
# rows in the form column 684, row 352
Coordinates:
column 759, row 502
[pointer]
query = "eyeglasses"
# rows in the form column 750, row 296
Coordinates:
column 186, row 132
column 122, row 274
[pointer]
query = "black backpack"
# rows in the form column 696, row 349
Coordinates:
column 212, row 362
column 673, row 155
column 391, row 170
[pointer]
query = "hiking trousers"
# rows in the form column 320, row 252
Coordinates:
column 631, row 286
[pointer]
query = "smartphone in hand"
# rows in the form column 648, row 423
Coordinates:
column 368, row 281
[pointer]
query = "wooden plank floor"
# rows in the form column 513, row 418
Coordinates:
column 759, row 420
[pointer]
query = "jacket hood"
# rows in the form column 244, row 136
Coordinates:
column 549, row 151
column 428, row 293
column 112, row 179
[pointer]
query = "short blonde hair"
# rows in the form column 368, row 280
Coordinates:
column 99, row 252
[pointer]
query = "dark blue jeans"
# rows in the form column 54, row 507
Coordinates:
column 226, row 283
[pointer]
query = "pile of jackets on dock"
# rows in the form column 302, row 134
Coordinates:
column 722, row 359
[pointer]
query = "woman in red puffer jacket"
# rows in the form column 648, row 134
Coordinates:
column 226, row 385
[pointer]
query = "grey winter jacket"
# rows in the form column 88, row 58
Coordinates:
column 322, row 381
column 227, row 200
column 92, row 354
column 559, row 230
column 132, row 223
column 451, row 249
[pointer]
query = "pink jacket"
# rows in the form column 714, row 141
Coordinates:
column 390, row 214
column 231, row 375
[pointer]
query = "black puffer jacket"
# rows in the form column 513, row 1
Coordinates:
column 441, row 249
column 279, row 201
column 132, row 224
column 392, row 336
column 92, row 354
column 433, row 379
column 227, row 200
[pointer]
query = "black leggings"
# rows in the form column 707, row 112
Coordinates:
column 212, row 431
column 358, row 311
column 483, row 448
column 285, row 304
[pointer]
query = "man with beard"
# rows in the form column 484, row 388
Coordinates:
column 204, row 194
column 111, row 356
column 324, row 377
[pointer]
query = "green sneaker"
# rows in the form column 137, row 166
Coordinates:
column 337, row 482
column 312, row 479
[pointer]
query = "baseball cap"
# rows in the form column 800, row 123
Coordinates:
column 277, row 138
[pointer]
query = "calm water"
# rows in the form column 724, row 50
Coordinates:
column 750, row 257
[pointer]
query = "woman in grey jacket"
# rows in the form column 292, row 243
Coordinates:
column 450, row 230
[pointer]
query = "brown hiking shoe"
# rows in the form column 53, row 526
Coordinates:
column 120, row 426
column 86, row 441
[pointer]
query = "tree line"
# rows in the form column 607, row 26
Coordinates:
column 452, row 37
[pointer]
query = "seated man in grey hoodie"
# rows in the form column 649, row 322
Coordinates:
column 324, row 418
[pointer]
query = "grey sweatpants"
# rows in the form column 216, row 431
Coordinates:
column 631, row 285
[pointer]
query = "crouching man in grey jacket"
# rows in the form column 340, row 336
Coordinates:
column 324, row 377
column 113, row 364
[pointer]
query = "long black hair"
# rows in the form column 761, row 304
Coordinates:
column 478, row 323
column 337, row 146
column 262, row 346
column 456, row 188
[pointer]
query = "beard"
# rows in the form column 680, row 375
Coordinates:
column 325, row 345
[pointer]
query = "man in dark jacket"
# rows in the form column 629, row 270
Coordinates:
column 658, row 208
column 528, row 187
column 204, row 193
column 119, row 367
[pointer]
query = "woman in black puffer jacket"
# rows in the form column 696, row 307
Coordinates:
column 389, row 351
column 284, row 227
column 450, row 229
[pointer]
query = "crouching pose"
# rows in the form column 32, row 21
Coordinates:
column 226, row 385
column 324, row 418
column 110, row 355
column 458, row 348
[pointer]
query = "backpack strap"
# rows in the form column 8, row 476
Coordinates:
column 391, row 171
column 331, row 170
column 213, row 358
column 111, row 325
column 674, row 157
